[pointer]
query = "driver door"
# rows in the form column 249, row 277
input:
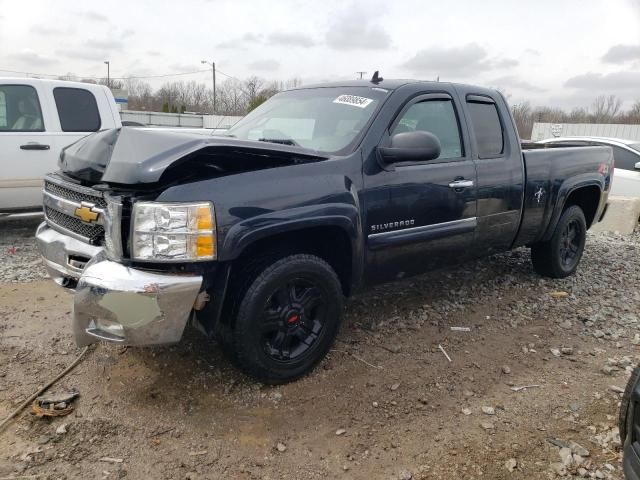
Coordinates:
column 421, row 215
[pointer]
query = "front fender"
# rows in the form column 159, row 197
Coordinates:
column 251, row 230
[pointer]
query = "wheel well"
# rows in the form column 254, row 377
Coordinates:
column 587, row 198
column 332, row 244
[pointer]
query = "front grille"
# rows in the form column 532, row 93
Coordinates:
column 75, row 195
column 92, row 232
column 63, row 198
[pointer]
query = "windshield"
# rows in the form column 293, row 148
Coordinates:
column 323, row 119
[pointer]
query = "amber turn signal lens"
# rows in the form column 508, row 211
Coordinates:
column 205, row 246
column 204, row 218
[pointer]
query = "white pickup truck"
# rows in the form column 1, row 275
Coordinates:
column 38, row 118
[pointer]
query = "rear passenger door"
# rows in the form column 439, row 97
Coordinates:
column 500, row 171
column 77, row 112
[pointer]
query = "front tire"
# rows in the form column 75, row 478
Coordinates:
column 560, row 256
column 287, row 319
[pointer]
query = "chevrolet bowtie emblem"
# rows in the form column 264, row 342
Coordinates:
column 86, row 213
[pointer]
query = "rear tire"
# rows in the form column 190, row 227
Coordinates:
column 560, row 256
column 287, row 319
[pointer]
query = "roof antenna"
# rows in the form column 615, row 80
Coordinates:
column 376, row 78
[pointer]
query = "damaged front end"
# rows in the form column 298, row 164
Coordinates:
column 125, row 305
column 128, row 291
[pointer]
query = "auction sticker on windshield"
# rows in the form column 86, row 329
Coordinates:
column 353, row 100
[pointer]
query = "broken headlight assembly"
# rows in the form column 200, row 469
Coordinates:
column 173, row 232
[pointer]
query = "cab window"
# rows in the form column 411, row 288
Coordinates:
column 20, row 109
column 437, row 117
column 487, row 128
column 77, row 109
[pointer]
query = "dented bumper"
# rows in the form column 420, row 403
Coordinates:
column 125, row 305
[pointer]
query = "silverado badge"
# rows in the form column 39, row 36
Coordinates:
column 86, row 213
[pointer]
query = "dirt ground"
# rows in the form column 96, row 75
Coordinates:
column 385, row 404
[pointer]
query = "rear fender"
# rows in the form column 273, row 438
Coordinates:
column 566, row 189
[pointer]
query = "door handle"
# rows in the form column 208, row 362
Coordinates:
column 34, row 146
column 456, row 184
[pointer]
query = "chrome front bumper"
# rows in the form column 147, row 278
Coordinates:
column 63, row 256
column 117, row 303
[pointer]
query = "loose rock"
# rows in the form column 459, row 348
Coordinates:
column 511, row 464
column 405, row 475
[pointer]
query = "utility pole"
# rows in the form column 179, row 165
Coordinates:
column 108, row 75
column 361, row 74
column 213, row 69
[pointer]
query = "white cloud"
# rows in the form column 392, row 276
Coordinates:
column 357, row 29
column 610, row 83
column 265, row 65
column 622, row 53
column 544, row 60
column 458, row 62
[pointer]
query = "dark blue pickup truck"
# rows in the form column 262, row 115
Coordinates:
column 256, row 236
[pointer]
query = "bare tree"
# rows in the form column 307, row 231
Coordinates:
column 605, row 108
column 140, row 94
column 524, row 120
column 578, row 115
column 252, row 87
column 231, row 98
column 292, row 83
column 633, row 114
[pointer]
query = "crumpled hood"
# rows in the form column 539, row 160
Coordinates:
column 130, row 155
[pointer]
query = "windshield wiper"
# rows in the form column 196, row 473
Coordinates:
column 281, row 141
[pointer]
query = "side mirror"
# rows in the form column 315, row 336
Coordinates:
column 638, row 166
column 417, row 146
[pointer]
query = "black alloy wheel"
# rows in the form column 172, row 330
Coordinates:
column 286, row 317
column 572, row 241
column 560, row 256
column 294, row 318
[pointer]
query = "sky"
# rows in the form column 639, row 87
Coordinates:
column 560, row 53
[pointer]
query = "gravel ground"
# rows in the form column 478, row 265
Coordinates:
column 386, row 403
column 19, row 258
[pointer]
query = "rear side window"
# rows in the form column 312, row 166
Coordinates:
column 437, row 117
column 77, row 109
column 624, row 159
column 20, row 109
column 487, row 129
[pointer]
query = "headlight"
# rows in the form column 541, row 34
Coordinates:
column 173, row 232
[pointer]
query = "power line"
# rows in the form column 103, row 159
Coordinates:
column 227, row 75
column 112, row 78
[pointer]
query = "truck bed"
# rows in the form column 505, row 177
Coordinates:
column 546, row 171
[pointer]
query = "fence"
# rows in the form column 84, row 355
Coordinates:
column 614, row 130
column 160, row 119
